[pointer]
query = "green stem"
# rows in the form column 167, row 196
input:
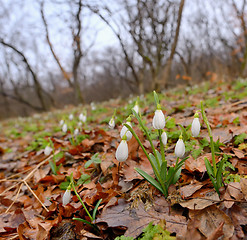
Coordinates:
column 156, row 172
column 148, row 137
column 211, row 138
column 82, row 203
column 162, row 149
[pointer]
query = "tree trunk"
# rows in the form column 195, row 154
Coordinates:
column 167, row 71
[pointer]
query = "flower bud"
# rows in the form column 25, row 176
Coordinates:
column 136, row 108
column 71, row 117
column 159, row 121
column 196, row 126
column 47, row 150
column 125, row 131
column 66, row 196
column 111, row 123
column 122, row 151
column 164, row 138
column 61, row 122
column 64, row 128
column 83, row 117
column 180, row 147
column 76, row 132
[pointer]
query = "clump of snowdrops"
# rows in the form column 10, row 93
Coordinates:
column 166, row 175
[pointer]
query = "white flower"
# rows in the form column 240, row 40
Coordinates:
column 195, row 127
column 159, row 121
column 64, row 128
column 76, row 132
column 47, row 150
column 180, row 148
column 122, row 151
column 125, row 130
column 93, row 107
column 61, row 122
column 71, row 117
column 136, row 108
column 79, row 124
column 164, row 138
column 111, row 123
column 66, row 197
column 83, row 117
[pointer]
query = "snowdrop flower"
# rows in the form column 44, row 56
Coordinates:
column 64, row 128
column 79, row 124
column 83, row 117
column 125, row 131
column 122, row 150
column 111, row 123
column 180, row 147
column 93, row 107
column 48, row 150
column 61, row 122
column 76, row 132
column 71, row 117
column 136, row 108
column 67, row 196
column 159, row 121
column 196, row 126
column 164, row 138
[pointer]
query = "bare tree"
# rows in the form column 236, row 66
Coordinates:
column 37, row 86
column 76, row 28
column 167, row 70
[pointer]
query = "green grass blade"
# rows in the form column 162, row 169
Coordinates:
column 96, row 208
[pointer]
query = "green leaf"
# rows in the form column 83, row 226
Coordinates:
column 53, row 167
column 240, row 138
column 154, row 162
column 64, row 185
column 219, row 173
column 159, row 157
column 96, row 208
column 88, row 163
column 59, row 155
column 84, row 179
column 156, row 98
column 150, row 179
column 84, row 221
column 209, row 167
column 163, row 171
column 176, row 175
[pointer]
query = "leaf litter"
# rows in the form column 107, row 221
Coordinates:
column 31, row 194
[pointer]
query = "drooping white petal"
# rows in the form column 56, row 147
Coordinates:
column 83, row 117
column 164, row 138
column 61, row 122
column 125, row 130
column 195, row 127
column 76, row 132
column 71, row 117
column 122, row 151
column 47, row 150
column 64, row 128
column 66, row 197
column 111, row 123
column 159, row 121
column 136, row 108
column 180, row 148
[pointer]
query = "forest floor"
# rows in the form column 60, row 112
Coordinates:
column 31, row 188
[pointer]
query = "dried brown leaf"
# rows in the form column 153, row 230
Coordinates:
column 209, row 220
column 201, row 203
